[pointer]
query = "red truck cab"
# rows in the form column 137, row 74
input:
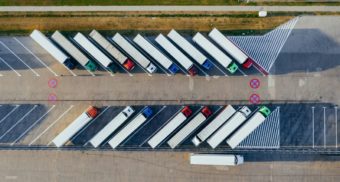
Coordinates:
column 129, row 64
column 186, row 111
column 92, row 112
column 248, row 63
column 206, row 111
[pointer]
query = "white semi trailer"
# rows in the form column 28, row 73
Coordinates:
column 192, row 51
column 72, row 50
column 111, row 126
column 242, row 133
column 231, row 125
column 176, row 54
column 216, row 159
column 130, row 127
column 231, row 48
column 89, row 47
column 192, row 125
column 113, row 51
column 174, row 123
column 217, row 122
column 56, row 53
column 75, row 126
column 134, row 53
column 155, row 54
column 215, row 52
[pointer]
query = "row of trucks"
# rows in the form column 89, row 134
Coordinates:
column 120, row 49
column 230, row 125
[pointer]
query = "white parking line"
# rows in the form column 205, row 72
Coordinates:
column 324, row 127
column 90, row 123
column 336, row 127
column 16, row 107
column 225, row 74
column 198, row 66
column 165, row 123
column 313, row 124
column 29, row 128
column 36, row 74
column 244, row 74
column 50, row 125
column 36, row 57
column 9, row 66
column 19, row 121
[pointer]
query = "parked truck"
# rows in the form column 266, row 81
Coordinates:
column 97, row 54
column 231, row 48
column 176, row 54
column 72, row 50
column 131, row 127
column 215, row 52
column 216, row 159
column 112, row 126
column 56, row 53
column 220, row 119
column 192, row 125
column 75, row 126
column 230, row 126
column 170, row 127
column 134, row 53
column 156, row 54
column 242, row 133
column 192, row 51
column 113, row 51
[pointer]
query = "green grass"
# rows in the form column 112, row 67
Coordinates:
column 155, row 2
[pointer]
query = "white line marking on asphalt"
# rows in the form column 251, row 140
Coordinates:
column 19, row 121
column 324, row 127
column 51, row 125
column 313, row 124
column 16, row 107
column 90, row 123
column 130, row 120
column 336, row 127
column 29, row 128
column 36, row 57
column 9, row 66
column 219, row 68
column 244, row 74
column 165, row 123
column 140, row 127
column 36, row 74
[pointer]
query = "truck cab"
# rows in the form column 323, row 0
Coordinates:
column 128, row 111
column 91, row 66
column 147, row 112
column 245, row 111
column 207, row 64
column 112, row 68
column 92, row 112
column 70, row 64
column 186, row 111
column 193, row 71
column 232, row 68
column 151, row 68
column 173, row 69
column 248, row 63
column 206, row 111
column 129, row 64
column 265, row 111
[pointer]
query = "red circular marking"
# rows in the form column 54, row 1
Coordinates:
column 52, row 83
column 254, row 83
column 254, row 99
column 52, row 97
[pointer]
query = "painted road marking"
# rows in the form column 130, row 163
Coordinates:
column 130, row 120
column 63, row 114
column 336, row 127
column 36, row 74
column 9, row 66
column 16, row 107
column 324, row 127
column 140, row 127
column 90, row 123
column 313, row 124
column 165, row 123
column 36, row 57
column 29, row 128
column 242, row 72
column 225, row 74
column 19, row 121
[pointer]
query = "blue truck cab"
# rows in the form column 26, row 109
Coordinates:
column 207, row 64
column 70, row 64
column 147, row 112
column 173, row 69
